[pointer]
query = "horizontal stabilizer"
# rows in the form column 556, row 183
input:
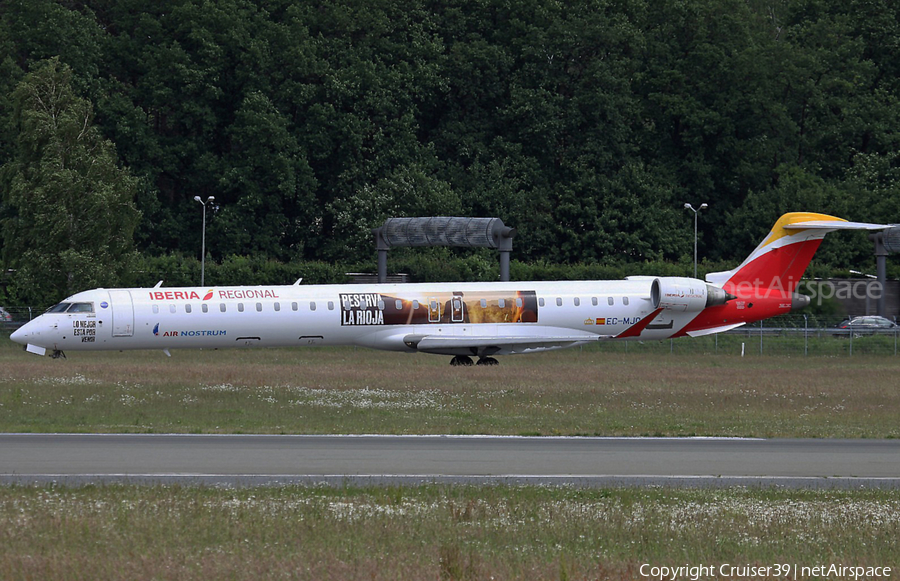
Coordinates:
column 722, row 329
column 835, row 225
column 782, row 257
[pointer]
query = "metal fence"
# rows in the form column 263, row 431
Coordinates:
column 12, row 318
column 787, row 335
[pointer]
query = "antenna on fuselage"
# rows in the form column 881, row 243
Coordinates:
column 159, row 284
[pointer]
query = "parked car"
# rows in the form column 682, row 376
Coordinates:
column 867, row 325
column 5, row 317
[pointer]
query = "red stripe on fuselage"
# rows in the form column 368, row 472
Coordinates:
column 636, row 329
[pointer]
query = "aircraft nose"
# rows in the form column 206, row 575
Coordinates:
column 20, row 335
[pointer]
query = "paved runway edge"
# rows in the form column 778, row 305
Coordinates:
column 259, row 460
column 362, row 481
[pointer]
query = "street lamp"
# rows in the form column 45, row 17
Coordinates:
column 696, row 212
column 209, row 200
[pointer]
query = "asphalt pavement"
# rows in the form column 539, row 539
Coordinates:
column 236, row 460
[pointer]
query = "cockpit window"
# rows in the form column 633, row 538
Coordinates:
column 60, row 308
column 81, row 308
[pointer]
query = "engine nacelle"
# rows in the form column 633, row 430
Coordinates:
column 686, row 294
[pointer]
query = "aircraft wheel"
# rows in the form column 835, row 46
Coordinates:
column 488, row 361
column 461, row 360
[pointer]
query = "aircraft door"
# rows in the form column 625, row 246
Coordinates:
column 122, row 313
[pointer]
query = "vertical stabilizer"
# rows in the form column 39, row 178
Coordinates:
column 763, row 285
column 780, row 260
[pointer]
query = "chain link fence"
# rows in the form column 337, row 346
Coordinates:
column 786, row 335
column 11, row 318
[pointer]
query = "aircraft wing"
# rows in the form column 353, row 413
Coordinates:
column 484, row 345
column 532, row 339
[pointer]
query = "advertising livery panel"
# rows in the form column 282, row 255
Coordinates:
column 439, row 308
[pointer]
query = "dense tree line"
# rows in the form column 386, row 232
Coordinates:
column 587, row 125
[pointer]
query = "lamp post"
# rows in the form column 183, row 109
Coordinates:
column 209, row 200
column 696, row 212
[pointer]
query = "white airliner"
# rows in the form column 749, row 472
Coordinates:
column 459, row 319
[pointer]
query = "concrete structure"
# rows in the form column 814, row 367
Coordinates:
column 444, row 231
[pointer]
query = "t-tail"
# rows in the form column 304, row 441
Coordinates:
column 765, row 284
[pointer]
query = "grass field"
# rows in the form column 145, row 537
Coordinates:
column 599, row 391
column 430, row 532
column 442, row 532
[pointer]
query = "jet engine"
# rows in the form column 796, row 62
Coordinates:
column 686, row 294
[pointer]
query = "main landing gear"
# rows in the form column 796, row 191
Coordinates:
column 464, row 360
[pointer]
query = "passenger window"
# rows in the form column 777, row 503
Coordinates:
column 204, row 307
column 610, row 301
column 155, row 309
column 240, row 307
column 258, row 307
column 519, row 303
column 541, row 302
column 624, row 300
column 330, row 305
column 558, row 302
column 294, row 306
column 222, row 307
column 380, row 305
column 187, row 308
column 277, row 307
column 501, row 303
column 483, row 303
column 398, row 304
column 594, row 301
column 172, row 309
column 415, row 305
column 312, row 305
column 577, row 301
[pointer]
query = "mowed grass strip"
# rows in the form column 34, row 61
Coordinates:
column 352, row 391
column 431, row 532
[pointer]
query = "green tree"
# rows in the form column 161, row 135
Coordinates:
column 72, row 207
column 268, row 187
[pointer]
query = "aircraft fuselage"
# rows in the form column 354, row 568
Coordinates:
column 385, row 316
